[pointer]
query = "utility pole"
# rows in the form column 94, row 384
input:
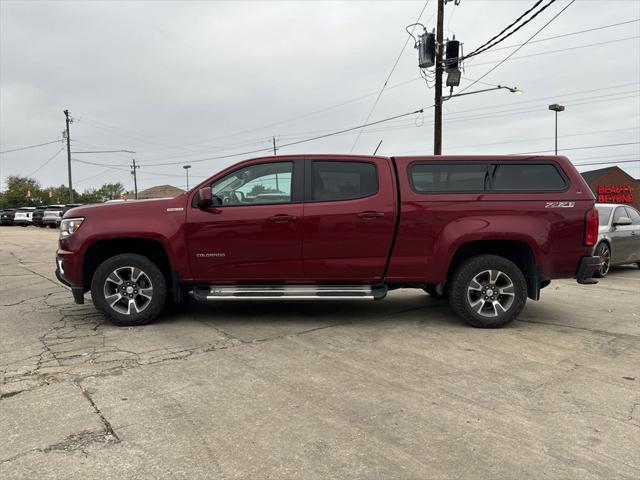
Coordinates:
column 134, row 167
column 437, row 110
column 69, row 120
column 274, row 146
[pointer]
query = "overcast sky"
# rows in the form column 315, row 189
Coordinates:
column 184, row 81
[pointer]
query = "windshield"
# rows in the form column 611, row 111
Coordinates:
column 604, row 213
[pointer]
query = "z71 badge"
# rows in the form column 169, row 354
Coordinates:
column 560, row 204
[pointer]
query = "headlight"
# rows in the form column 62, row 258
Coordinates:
column 69, row 225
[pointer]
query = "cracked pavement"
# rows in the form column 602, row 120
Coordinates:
column 392, row 389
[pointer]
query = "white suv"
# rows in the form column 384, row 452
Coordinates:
column 23, row 216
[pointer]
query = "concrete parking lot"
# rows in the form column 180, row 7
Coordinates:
column 394, row 389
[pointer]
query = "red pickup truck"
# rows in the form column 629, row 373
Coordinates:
column 487, row 232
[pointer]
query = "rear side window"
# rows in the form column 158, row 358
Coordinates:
column 527, row 177
column 433, row 177
column 332, row 181
column 633, row 215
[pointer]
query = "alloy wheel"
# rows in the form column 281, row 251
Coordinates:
column 128, row 290
column 605, row 256
column 491, row 293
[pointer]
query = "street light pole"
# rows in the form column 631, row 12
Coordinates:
column 514, row 90
column 186, row 169
column 556, row 108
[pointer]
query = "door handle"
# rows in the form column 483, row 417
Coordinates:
column 370, row 214
column 283, row 218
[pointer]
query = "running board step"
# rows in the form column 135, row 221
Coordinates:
column 290, row 292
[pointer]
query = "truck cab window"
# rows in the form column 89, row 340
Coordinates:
column 451, row 178
column 331, row 181
column 256, row 184
column 527, row 177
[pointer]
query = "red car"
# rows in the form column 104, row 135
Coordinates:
column 487, row 232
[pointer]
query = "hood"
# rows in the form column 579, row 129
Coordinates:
column 129, row 207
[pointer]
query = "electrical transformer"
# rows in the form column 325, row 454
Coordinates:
column 426, row 50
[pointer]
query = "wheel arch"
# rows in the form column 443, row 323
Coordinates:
column 101, row 250
column 516, row 251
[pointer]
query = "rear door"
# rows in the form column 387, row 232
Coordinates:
column 349, row 219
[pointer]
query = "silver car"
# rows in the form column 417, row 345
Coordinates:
column 619, row 236
column 52, row 216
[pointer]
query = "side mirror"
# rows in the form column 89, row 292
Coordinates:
column 622, row 221
column 203, row 199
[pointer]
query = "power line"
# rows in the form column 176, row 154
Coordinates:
column 395, row 64
column 607, row 163
column 579, row 148
column 521, row 46
column 30, row 146
column 93, row 176
column 293, row 143
column 113, row 167
column 531, row 139
column 567, row 34
column 488, row 44
column 105, row 151
column 508, row 112
column 548, row 52
column 328, row 108
column 46, row 162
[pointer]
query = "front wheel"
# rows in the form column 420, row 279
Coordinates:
column 488, row 291
column 129, row 289
column 604, row 252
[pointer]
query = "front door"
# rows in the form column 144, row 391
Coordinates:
column 254, row 235
column 349, row 217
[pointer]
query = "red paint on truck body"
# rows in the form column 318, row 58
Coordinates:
column 396, row 236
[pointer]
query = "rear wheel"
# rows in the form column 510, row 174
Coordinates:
column 488, row 291
column 129, row 289
column 604, row 252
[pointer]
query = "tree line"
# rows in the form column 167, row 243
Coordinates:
column 27, row 192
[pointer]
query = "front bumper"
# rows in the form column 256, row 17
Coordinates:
column 77, row 292
column 588, row 266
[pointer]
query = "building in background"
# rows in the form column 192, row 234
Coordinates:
column 613, row 185
column 160, row 191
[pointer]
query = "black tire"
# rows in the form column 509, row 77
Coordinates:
column 468, row 275
column 603, row 249
column 153, row 278
column 431, row 290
